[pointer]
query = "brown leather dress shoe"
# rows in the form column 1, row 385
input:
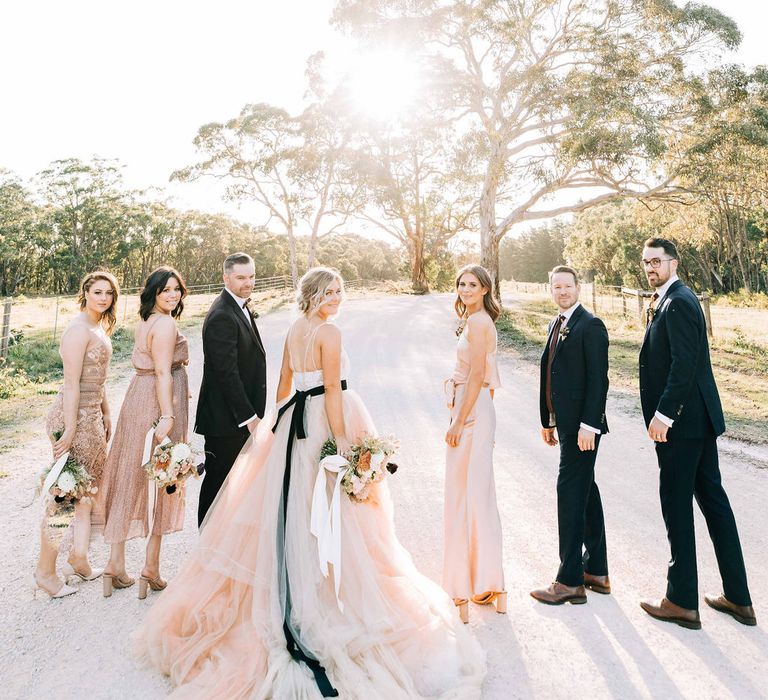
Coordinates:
column 558, row 593
column 598, row 584
column 667, row 611
column 745, row 614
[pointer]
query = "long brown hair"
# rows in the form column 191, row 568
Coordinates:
column 109, row 318
column 492, row 307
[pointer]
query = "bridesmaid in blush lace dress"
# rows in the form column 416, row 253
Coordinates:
column 80, row 413
column 158, row 392
column 472, row 565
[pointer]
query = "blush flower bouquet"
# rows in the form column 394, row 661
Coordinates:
column 368, row 463
column 171, row 464
column 72, row 484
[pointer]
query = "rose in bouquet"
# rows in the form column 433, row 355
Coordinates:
column 368, row 463
column 171, row 464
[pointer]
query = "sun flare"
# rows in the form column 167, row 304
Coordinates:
column 384, row 84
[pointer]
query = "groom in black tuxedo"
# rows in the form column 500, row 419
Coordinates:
column 234, row 389
column 682, row 411
column 572, row 394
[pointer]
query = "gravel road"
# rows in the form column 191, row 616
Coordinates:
column 401, row 349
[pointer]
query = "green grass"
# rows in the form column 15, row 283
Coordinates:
column 740, row 362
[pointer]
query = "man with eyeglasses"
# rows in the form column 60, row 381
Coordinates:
column 682, row 411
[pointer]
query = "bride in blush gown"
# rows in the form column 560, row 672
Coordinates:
column 251, row 614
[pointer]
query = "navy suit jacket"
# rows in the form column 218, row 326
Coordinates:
column 579, row 374
column 675, row 371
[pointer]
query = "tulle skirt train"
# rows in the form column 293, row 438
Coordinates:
column 217, row 630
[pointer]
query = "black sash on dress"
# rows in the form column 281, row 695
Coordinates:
column 297, row 431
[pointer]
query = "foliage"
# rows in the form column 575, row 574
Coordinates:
column 530, row 256
column 87, row 219
column 555, row 96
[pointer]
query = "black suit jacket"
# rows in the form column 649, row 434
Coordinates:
column 579, row 375
column 234, row 384
column 675, row 371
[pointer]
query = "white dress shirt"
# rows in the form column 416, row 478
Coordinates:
column 241, row 303
column 662, row 291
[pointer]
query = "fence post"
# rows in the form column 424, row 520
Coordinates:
column 707, row 315
column 6, row 328
column 125, row 307
column 623, row 305
column 56, row 319
column 594, row 298
column 640, row 314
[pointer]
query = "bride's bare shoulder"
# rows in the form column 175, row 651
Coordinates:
column 329, row 333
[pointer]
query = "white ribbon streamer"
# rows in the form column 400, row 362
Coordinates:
column 325, row 521
column 151, row 483
column 53, row 475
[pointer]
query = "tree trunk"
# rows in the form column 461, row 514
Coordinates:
column 489, row 259
column 418, row 273
column 312, row 251
column 292, row 258
column 489, row 243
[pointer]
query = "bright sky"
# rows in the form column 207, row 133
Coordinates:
column 135, row 80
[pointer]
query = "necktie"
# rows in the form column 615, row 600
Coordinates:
column 551, row 356
column 651, row 308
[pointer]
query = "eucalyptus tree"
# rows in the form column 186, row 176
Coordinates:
column 293, row 167
column 23, row 239
column 87, row 212
column 411, row 190
column 564, row 104
column 724, row 164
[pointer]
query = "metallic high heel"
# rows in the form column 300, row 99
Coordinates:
column 69, row 572
column 110, row 581
column 64, row 591
column 156, row 584
column 498, row 598
column 463, row 605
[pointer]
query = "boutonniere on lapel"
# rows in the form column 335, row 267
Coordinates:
column 254, row 314
column 650, row 312
column 564, row 331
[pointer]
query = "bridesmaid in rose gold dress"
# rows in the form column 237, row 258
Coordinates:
column 158, row 392
column 472, row 564
column 80, row 413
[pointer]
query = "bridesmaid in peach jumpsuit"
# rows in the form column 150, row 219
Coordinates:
column 472, row 563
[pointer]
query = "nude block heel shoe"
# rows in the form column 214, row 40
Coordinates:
column 497, row 598
column 110, row 581
column 155, row 584
column 463, row 605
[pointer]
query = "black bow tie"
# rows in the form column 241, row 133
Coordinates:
column 246, row 306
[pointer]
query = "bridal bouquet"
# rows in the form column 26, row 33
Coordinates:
column 71, row 484
column 367, row 463
column 171, row 464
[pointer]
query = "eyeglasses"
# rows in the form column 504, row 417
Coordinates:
column 655, row 263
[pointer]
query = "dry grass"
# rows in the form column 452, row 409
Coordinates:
column 739, row 352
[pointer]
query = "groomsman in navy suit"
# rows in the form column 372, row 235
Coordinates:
column 682, row 412
column 572, row 394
